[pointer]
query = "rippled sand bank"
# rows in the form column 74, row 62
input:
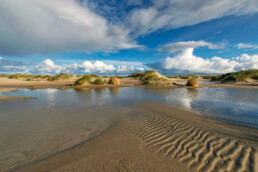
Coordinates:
column 156, row 137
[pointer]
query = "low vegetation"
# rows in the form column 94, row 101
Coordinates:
column 28, row 77
column 99, row 81
column 207, row 77
column 61, row 76
column 114, row 81
column 237, row 76
column 172, row 77
column 89, row 79
column 86, row 80
column 193, row 81
column 92, row 76
column 155, row 81
column 4, row 75
column 143, row 75
column 151, row 77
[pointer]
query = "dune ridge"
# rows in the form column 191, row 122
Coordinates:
column 199, row 149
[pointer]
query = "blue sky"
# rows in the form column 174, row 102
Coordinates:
column 118, row 38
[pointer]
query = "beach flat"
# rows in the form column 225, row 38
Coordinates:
column 157, row 137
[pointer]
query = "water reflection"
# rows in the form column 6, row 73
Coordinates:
column 229, row 102
column 60, row 118
column 192, row 93
column 114, row 91
column 51, row 97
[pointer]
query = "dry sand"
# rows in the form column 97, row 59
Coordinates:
column 19, row 83
column 8, row 89
column 157, row 137
column 125, row 82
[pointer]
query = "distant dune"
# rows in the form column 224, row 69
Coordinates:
column 149, row 78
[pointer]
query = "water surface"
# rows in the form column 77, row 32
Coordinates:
column 59, row 119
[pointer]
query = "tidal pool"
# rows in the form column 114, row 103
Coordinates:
column 62, row 118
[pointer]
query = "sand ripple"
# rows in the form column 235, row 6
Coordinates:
column 199, row 149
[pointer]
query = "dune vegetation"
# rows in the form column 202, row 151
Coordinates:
column 89, row 79
column 148, row 78
column 85, row 80
column 61, row 76
column 237, row 76
column 99, row 81
column 193, row 81
column 151, row 77
column 4, row 75
column 28, row 77
column 114, row 80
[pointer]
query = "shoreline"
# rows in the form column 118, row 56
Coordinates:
column 126, row 82
column 15, row 98
column 115, row 86
column 142, row 141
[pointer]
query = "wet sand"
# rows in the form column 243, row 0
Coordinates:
column 15, row 98
column 157, row 137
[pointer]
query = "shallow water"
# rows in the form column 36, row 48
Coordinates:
column 201, row 82
column 59, row 119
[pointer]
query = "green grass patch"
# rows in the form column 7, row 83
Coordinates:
column 61, row 76
column 237, row 76
column 99, row 81
column 83, row 81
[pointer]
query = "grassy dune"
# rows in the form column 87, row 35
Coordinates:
column 151, row 78
column 237, row 76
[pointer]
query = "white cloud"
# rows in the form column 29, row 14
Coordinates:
column 10, row 67
column 40, row 26
column 186, row 62
column 177, row 13
column 246, row 46
column 178, row 46
column 97, row 66
column 86, row 67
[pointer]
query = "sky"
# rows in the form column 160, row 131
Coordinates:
column 116, row 37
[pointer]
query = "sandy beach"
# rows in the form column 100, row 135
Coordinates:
column 125, row 82
column 157, row 137
column 128, row 86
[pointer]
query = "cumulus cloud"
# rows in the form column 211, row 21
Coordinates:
column 86, row 67
column 10, row 67
column 178, row 46
column 177, row 13
column 246, row 46
column 186, row 62
column 40, row 26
